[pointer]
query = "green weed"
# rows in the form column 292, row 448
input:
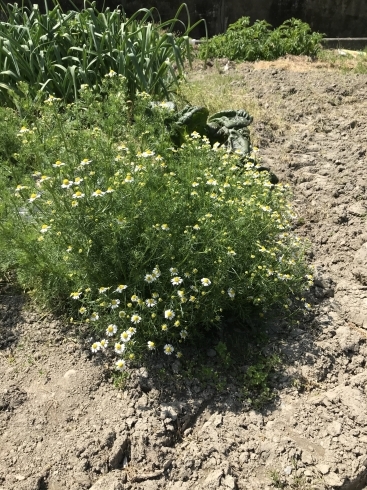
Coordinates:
column 242, row 42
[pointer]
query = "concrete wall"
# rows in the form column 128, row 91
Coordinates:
column 333, row 17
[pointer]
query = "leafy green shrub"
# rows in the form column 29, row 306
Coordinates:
column 58, row 52
column 146, row 243
column 243, row 42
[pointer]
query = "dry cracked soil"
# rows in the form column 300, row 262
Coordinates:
column 65, row 426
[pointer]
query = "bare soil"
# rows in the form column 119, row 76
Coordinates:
column 65, row 426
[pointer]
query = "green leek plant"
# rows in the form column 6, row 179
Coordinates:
column 57, row 52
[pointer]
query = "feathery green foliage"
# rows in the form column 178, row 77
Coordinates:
column 107, row 219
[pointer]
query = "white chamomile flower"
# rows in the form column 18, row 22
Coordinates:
column 135, row 318
column 169, row 314
column 111, row 330
column 231, row 293
column 78, row 195
column 212, row 182
column 132, row 330
column 96, row 347
column 165, row 227
column 168, row 349
column 98, row 193
column 94, row 317
column 176, row 281
column 85, row 162
column 134, row 298
column 33, row 197
column 173, row 271
column 156, row 272
column 75, row 295
column 151, row 345
column 196, row 227
column 147, row 153
column 103, row 290
column 125, row 336
column 45, row 228
column 150, row 302
column 58, row 164
column 129, row 179
column 149, row 278
column 122, row 314
column 104, row 343
column 114, row 303
column 78, row 180
column 181, row 293
column 120, row 288
column 119, row 348
column 205, row 281
column 82, row 310
column 66, row 184
column 183, row 334
column 120, row 365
